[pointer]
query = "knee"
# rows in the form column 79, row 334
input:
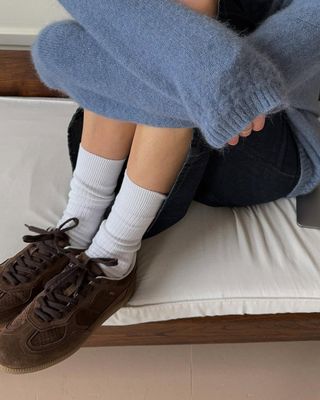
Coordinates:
column 49, row 52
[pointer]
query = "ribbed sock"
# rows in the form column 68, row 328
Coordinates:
column 92, row 190
column 120, row 235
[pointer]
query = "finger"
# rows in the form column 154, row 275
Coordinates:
column 259, row 122
column 234, row 141
column 246, row 133
column 247, row 130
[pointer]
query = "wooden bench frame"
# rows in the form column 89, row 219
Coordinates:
column 18, row 78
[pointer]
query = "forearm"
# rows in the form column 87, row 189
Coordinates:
column 195, row 60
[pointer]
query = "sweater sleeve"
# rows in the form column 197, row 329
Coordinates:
column 290, row 38
column 199, row 62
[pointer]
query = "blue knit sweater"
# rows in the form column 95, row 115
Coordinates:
column 158, row 62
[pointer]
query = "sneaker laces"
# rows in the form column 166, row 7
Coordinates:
column 35, row 258
column 64, row 290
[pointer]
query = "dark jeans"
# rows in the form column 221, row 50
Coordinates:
column 263, row 167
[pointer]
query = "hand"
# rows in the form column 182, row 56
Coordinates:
column 256, row 125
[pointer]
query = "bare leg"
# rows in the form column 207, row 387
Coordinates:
column 108, row 138
column 156, row 156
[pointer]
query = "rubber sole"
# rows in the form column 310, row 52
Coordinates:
column 19, row 371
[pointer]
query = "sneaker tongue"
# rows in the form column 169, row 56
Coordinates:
column 96, row 269
column 63, row 242
column 92, row 271
column 69, row 290
column 92, row 265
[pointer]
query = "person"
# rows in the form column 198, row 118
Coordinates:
column 139, row 161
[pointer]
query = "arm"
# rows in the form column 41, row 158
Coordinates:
column 223, row 82
column 291, row 39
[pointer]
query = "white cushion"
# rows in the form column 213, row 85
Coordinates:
column 215, row 261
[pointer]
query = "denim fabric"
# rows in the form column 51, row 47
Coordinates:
column 263, row 167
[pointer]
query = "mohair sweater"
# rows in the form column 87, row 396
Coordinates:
column 158, row 62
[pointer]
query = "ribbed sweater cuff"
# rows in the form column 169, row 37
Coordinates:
column 252, row 86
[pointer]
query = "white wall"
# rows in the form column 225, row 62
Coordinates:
column 20, row 20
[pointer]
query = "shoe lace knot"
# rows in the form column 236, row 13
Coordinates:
column 65, row 290
column 46, row 245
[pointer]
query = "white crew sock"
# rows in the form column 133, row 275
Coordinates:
column 92, row 190
column 120, row 235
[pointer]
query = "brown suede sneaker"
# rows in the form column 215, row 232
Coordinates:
column 23, row 276
column 59, row 320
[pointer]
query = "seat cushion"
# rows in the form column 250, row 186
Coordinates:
column 215, row 261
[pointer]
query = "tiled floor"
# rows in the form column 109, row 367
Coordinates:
column 262, row 371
